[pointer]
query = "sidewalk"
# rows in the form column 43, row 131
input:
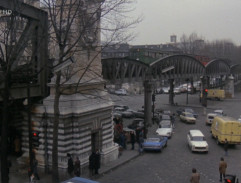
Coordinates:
column 18, row 173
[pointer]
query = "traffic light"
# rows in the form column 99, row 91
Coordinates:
column 153, row 97
column 205, row 92
column 35, row 139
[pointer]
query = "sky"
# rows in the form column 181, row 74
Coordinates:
column 210, row 19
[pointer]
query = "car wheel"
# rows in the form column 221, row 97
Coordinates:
column 165, row 145
column 161, row 149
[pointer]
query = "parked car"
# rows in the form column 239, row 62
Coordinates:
column 139, row 114
column 165, row 129
column 122, row 106
column 239, row 119
column 155, row 143
column 119, row 109
column 136, row 123
column 187, row 117
column 129, row 113
column 219, row 112
column 167, row 112
column 189, row 110
column 196, row 141
column 121, row 92
column 177, row 90
column 165, row 117
column 165, row 90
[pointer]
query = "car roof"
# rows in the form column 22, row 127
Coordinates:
column 196, row 133
column 165, row 121
column 187, row 113
column 212, row 114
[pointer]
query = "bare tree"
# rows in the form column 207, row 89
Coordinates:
column 191, row 44
column 14, row 51
column 75, row 33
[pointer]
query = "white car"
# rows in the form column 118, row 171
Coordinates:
column 196, row 141
column 165, row 129
column 121, row 92
column 210, row 117
column 187, row 117
column 239, row 119
column 219, row 112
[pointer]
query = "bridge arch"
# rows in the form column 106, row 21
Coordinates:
column 217, row 67
column 177, row 66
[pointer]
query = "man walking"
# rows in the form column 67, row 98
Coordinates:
column 222, row 168
column 97, row 161
column 70, row 164
column 195, row 177
column 226, row 147
column 133, row 139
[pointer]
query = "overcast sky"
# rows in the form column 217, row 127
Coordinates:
column 211, row 19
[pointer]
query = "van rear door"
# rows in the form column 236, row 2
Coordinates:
column 235, row 132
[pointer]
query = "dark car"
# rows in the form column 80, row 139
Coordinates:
column 189, row 110
column 136, row 123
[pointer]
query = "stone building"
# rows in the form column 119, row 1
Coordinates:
column 85, row 122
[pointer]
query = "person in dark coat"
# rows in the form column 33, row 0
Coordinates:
column 92, row 163
column 97, row 161
column 226, row 147
column 70, row 165
column 77, row 167
column 133, row 140
column 35, row 169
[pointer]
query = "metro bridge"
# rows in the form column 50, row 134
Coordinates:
column 172, row 67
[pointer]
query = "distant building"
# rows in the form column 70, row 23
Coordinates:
column 173, row 38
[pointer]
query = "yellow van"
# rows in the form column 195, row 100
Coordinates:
column 225, row 127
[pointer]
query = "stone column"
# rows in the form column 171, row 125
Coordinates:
column 229, row 87
column 171, row 93
column 147, row 104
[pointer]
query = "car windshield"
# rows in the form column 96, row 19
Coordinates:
column 198, row 138
column 210, row 117
column 152, row 140
column 165, row 117
column 165, row 126
column 189, row 115
column 189, row 110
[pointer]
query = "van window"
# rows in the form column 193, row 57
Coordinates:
column 210, row 117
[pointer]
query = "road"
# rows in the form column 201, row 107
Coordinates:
column 174, row 163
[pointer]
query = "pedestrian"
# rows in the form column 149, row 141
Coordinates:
column 17, row 146
column 141, row 140
column 70, row 165
column 97, row 161
column 195, row 177
column 77, row 167
column 225, row 146
column 173, row 120
column 222, row 168
column 32, row 179
column 92, row 164
column 35, row 169
column 133, row 140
